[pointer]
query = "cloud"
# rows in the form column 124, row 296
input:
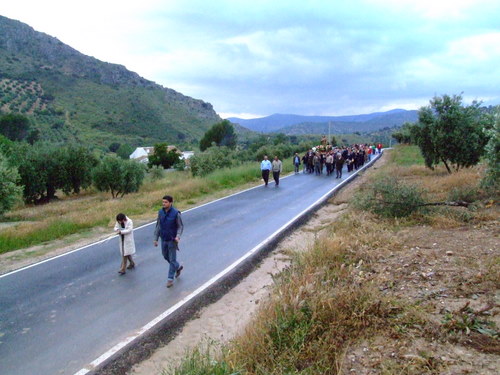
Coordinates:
column 314, row 57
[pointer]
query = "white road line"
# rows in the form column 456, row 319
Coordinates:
column 213, row 280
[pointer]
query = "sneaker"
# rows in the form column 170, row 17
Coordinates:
column 178, row 272
column 170, row 283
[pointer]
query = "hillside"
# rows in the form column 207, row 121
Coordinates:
column 71, row 96
column 296, row 125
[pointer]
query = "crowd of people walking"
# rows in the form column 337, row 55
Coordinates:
column 323, row 159
column 333, row 160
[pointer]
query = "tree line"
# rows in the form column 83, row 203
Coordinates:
column 36, row 172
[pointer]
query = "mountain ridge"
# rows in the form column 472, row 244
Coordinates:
column 72, row 96
column 291, row 124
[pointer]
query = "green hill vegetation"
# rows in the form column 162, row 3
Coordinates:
column 72, row 97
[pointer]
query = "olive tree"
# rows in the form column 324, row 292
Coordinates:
column 118, row 176
column 451, row 133
column 39, row 171
column 75, row 166
column 45, row 168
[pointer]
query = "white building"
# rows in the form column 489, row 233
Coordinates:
column 141, row 154
column 187, row 154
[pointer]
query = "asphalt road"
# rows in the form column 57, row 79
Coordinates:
column 58, row 316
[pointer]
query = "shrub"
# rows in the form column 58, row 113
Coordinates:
column 388, row 197
column 156, row 173
column 282, row 151
column 212, row 159
column 180, row 165
column 118, row 176
column 464, row 193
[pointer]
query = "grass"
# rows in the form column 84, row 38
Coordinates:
column 48, row 232
column 93, row 210
column 406, row 156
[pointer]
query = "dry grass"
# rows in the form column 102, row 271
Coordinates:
column 322, row 304
column 440, row 186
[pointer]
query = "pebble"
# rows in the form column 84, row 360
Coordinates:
column 449, row 253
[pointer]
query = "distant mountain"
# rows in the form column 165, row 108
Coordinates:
column 72, row 96
column 296, row 124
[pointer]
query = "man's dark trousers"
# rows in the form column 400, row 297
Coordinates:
column 265, row 175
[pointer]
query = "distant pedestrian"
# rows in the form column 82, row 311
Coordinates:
column 296, row 162
column 305, row 159
column 339, row 164
column 277, row 167
column 317, row 163
column 310, row 161
column 329, row 163
column 379, row 148
column 265, row 167
column 125, row 229
column 169, row 228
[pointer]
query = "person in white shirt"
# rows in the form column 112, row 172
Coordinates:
column 265, row 167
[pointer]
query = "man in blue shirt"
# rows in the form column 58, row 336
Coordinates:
column 169, row 227
column 265, row 167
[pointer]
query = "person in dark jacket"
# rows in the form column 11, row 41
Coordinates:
column 169, row 227
column 350, row 161
column 339, row 164
column 296, row 162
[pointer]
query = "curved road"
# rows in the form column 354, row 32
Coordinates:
column 70, row 313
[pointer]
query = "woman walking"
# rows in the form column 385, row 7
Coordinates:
column 125, row 229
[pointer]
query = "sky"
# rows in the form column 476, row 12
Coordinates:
column 256, row 58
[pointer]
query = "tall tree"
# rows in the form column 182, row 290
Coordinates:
column 40, row 172
column 76, row 163
column 451, row 133
column 124, row 151
column 221, row 134
column 162, row 156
